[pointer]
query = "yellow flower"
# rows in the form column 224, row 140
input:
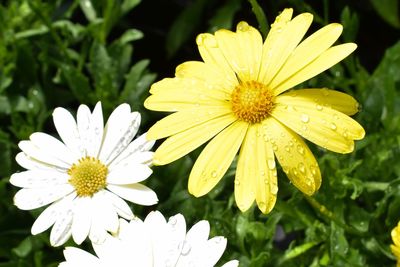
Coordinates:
column 238, row 98
column 396, row 240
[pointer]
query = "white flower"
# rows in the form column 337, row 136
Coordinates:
column 86, row 175
column 153, row 243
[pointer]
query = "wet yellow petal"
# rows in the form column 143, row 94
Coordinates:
column 216, row 158
column 277, row 49
column 294, row 156
column 242, row 49
column 323, row 62
column 322, row 98
column 209, row 74
column 247, row 171
column 186, row 119
column 213, row 56
column 175, row 94
column 256, row 175
column 182, row 143
column 307, row 51
column 328, row 128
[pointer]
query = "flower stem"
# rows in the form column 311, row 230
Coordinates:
column 329, row 215
column 261, row 18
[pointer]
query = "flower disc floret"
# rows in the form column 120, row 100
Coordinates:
column 88, row 176
column 252, row 101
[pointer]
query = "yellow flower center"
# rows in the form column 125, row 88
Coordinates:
column 252, row 101
column 88, row 176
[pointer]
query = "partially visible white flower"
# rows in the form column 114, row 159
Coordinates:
column 154, row 242
column 86, row 176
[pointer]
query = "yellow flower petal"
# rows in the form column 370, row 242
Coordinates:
column 307, row 51
column 213, row 56
column 216, row 158
column 182, row 143
column 186, row 119
column 322, row 98
column 294, row 156
column 328, row 128
column 180, row 94
column 277, row 49
column 242, row 50
column 256, row 175
column 207, row 73
column 247, row 171
column 323, row 62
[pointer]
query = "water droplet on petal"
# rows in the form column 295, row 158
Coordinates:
column 275, row 147
column 305, row 118
column 271, row 164
column 318, row 107
column 186, row 247
column 333, row 126
column 274, row 189
column 300, row 149
column 172, row 221
column 237, row 182
column 213, row 174
column 262, row 205
column 301, row 167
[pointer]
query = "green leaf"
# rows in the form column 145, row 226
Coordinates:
column 223, row 18
column 388, row 10
column 127, row 5
column 183, row 26
column 77, row 82
column 88, row 10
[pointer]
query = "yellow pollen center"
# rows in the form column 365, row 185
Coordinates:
column 88, row 176
column 252, row 101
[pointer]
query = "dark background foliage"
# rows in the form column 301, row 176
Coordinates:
column 65, row 53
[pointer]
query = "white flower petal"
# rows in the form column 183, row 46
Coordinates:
column 67, row 129
column 38, row 178
column 90, row 127
column 32, row 198
column 233, row 263
column 31, row 164
column 104, row 212
column 120, row 206
column 140, row 144
column 97, row 233
column 136, row 193
column 175, row 236
column 82, row 219
column 121, row 127
column 49, row 216
column 198, row 233
column 97, row 127
column 78, row 257
column 61, row 230
column 214, row 249
column 130, row 174
column 35, row 152
column 52, row 146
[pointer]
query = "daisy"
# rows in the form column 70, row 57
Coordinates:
column 153, row 242
column 86, row 176
column 238, row 97
column 396, row 240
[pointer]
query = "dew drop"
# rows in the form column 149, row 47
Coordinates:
column 305, row 118
column 295, row 172
column 318, row 107
column 271, row 164
column 274, row 189
column 325, row 92
column 300, row 149
column 185, row 248
column 172, row 221
column 237, row 182
column 314, row 170
column 290, row 143
column 333, row 126
column 301, row 167
column 335, row 116
column 275, row 147
column 213, row 174
column 287, row 148
column 262, row 205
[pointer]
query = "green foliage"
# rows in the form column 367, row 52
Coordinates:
column 64, row 53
